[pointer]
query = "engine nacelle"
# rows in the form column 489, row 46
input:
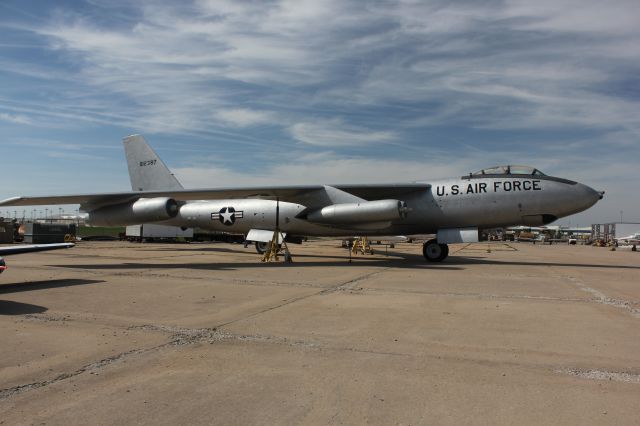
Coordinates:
column 364, row 212
column 143, row 210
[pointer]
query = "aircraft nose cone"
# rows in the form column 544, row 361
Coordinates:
column 589, row 196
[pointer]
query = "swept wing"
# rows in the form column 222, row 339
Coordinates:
column 292, row 194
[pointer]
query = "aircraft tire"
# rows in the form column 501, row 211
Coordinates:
column 261, row 247
column 435, row 252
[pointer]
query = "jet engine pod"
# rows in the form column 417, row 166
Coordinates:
column 141, row 211
column 363, row 212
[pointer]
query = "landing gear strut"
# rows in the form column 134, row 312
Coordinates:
column 435, row 252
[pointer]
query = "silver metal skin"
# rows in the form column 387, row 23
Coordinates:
column 143, row 210
column 140, row 156
column 452, row 203
column 495, row 197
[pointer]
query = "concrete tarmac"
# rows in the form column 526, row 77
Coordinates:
column 501, row 333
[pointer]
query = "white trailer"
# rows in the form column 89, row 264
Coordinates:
column 153, row 231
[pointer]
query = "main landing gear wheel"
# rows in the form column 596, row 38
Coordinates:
column 435, row 252
column 263, row 246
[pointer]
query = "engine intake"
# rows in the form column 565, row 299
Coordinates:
column 141, row 211
column 364, row 212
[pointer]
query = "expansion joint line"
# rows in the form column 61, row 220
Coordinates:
column 341, row 286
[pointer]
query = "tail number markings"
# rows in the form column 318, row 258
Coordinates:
column 148, row 163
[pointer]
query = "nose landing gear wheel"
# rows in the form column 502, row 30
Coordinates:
column 435, row 252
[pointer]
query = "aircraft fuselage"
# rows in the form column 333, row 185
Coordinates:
column 469, row 201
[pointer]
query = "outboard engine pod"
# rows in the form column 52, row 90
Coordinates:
column 363, row 212
column 160, row 208
column 142, row 210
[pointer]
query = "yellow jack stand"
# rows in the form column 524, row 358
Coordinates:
column 361, row 245
column 271, row 255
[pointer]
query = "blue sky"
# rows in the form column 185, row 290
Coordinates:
column 265, row 92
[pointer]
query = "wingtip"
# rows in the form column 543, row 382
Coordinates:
column 9, row 201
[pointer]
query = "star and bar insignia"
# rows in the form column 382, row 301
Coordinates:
column 227, row 215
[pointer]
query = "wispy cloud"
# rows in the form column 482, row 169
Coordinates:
column 14, row 118
column 333, row 133
column 326, row 169
column 515, row 64
column 242, row 117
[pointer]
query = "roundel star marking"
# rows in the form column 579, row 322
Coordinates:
column 227, row 215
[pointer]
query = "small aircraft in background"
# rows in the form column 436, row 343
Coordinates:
column 20, row 249
column 631, row 240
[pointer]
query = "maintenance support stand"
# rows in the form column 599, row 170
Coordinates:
column 360, row 244
column 275, row 246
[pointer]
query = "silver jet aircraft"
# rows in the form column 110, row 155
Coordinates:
column 452, row 209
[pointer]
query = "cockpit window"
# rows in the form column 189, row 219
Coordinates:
column 509, row 170
column 499, row 170
column 522, row 170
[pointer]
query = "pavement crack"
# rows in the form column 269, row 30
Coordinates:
column 602, row 298
column 47, row 317
column 475, row 295
column 181, row 336
column 602, row 375
column 8, row 392
column 185, row 336
column 346, row 285
column 352, row 283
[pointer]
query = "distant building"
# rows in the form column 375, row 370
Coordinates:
column 610, row 231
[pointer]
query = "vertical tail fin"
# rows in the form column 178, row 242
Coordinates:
column 146, row 170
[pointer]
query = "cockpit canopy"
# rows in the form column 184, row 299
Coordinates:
column 509, row 170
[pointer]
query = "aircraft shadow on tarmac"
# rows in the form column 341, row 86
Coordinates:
column 9, row 307
column 395, row 260
column 298, row 261
column 43, row 285
column 199, row 249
